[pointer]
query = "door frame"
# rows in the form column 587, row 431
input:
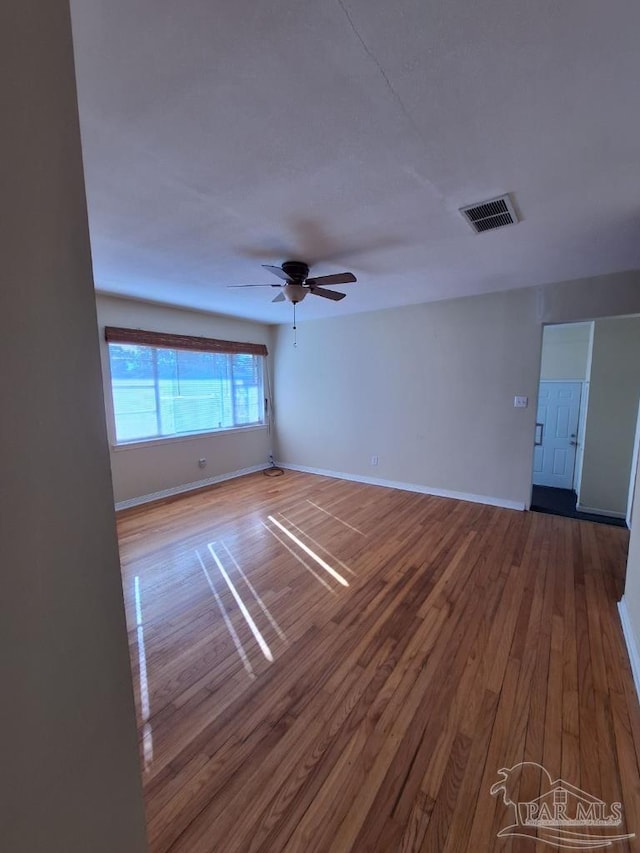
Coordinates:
column 634, row 469
column 582, row 431
column 582, row 418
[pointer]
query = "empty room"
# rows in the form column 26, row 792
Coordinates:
column 320, row 505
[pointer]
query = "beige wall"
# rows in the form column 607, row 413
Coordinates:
column 147, row 468
column 70, row 773
column 612, row 415
column 614, row 295
column 428, row 389
column 565, row 352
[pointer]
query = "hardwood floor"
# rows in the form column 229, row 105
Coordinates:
column 329, row 666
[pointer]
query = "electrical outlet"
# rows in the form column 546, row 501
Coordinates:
column 520, row 402
column 202, row 463
column 374, row 460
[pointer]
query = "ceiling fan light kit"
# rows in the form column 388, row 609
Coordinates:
column 292, row 293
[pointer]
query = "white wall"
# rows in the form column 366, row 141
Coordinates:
column 147, row 468
column 428, row 389
column 612, row 414
column 71, row 781
column 565, row 352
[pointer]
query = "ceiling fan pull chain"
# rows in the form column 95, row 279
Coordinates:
column 295, row 331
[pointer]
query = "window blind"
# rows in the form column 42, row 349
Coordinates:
column 115, row 334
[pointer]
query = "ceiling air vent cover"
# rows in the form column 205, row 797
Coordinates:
column 491, row 214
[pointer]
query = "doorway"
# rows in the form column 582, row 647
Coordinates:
column 589, row 374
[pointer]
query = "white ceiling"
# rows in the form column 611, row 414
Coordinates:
column 221, row 135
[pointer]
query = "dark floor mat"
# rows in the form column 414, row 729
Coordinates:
column 563, row 502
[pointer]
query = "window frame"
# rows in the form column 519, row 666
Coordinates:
column 161, row 340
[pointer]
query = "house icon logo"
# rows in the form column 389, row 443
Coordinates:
column 562, row 815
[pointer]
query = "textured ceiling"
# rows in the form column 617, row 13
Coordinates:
column 347, row 133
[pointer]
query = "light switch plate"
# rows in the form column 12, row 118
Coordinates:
column 520, row 402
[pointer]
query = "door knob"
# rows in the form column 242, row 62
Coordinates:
column 573, row 443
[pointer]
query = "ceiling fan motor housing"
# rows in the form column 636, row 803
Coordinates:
column 296, row 270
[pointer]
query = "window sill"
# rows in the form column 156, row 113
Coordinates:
column 191, row 436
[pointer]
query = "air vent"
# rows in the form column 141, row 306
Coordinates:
column 495, row 213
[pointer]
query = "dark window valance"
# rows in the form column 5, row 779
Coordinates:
column 114, row 335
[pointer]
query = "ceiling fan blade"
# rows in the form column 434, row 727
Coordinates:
column 278, row 271
column 254, row 285
column 279, row 298
column 327, row 294
column 338, row 278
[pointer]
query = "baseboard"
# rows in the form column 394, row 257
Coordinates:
column 595, row 511
column 187, row 487
column 408, row 487
column 632, row 646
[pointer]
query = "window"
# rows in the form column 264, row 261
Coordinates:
column 162, row 391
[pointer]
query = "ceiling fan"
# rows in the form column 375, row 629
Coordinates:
column 297, row 282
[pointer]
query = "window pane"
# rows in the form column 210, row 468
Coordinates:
column 133, row 388
column 247, row 388
column 190, row 402
column 163, row 392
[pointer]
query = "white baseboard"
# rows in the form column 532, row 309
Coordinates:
column 408, row 487
column 595, row 511
column 188, row 487
column 630, row 640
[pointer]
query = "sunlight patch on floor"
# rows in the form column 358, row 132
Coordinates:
column 346, row 523
column 329, row 569
column 259, row 601
column 316, row 543
column 145, row 708
column 264, row 647
column 232, row 631
column 298, row 558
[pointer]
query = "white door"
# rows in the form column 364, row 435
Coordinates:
column 556, row 436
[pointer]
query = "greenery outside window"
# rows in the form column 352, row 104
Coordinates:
column 162, row 391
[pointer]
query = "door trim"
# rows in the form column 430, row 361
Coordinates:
column 582, row 431
column 634, row 470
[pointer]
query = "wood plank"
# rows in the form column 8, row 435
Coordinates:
column 466, row 638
